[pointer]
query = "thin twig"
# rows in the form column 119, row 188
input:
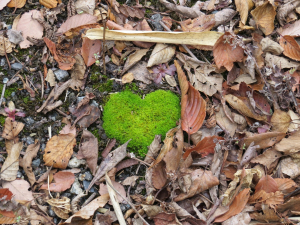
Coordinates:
column 183, row 45
column 141, row 161
column 6, row 54
column 103, row 43
column 132, row 206
column 89, row 199
column 49, row 185
column 42, row 83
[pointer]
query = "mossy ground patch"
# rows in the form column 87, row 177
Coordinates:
column 127, row 116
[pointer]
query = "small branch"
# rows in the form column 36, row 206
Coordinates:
column 42, row 84
column 6, row 54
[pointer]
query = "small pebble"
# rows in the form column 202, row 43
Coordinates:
column 29, row 140
column 38, row 171
column 155, row 22
column 16, row 66
column 29, row 121
column 66, row 194
column 81, row 177
column 76, row 189
column 86, row 185
column 55, row 220
column 36, row 163
column 79, row 99
column 94, row 103
column 19, row 174
column 88, row 176
column 51, row 213
column 2, row 62
column 61, row 75
column 75, row 163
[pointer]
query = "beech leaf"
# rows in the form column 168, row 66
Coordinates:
column 290, row 46
column 161, row 53
column 31, row 152
column 77, row 21
column 63, row 181
column 89, row 49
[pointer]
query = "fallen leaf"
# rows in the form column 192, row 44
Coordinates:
column 19, row 188
column 268, row 45
column 249, row 154
column 204, row 147
column 272, row 199
column 119, row 187
column 89, row 49
column 291, row 205
column 86, row 6
column 286, row 185
column 63, row 181
column 88, row 149
column 192, row 104
column 280, row 121
column 243, row 7
column 290, row 46
column 50, row 78
column 269, row 215
column 109, row 162
column 65, row 62
column 290, row 29
column 11, row 129
column 237, row 205
column 77, row 21
column 241, row 218
column 161, row 53
column 127, row 78
column 289, row 145
column 266, row 183
column 264, row 140
column 27, row 23
column 4, row 3
column 61, row 207
column 16, row 3
column 10, row 166
column 207, row 38
column 267, row 158
column 280, row 62
column 31, row 153
column 141, row 73
column 290, row 167
column 49, row 3
column 165, row 219
column 153, row 149
column 59, row 150
column 264, row 16
column 77, row 73
column 224, row 52
column 5, row 45
column 133, row 59
column 130, row 181
column 132, row 11
column 224, row 122
column 90, row 114
column 201, row 180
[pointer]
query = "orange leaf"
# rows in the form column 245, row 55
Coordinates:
column 16, row 3
column 63, row 181
column 193, row 106
column 237, row 205
column 225, row 53
column 266, row 183
column 64, row 62
column 204, row 147
column 5, row 192
column 89, row 49
column 49, row 3
column 59, row 150
column 290, row 46
column 272, row 199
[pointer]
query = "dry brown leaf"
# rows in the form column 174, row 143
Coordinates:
column 161, row 53
column 133, row 59
column 119, row 187
column 268, row 216
column 264, row 140
column 199, row 24
column 285, row 9
column 132, row 11
column 193, row 106
column 204, row 147
column 61, row 207
column 65, row 62
column 290, row 166
column 264, row 16
column 290, row 29
column 77, row 21
column 237, row 205
column 88, row 149
column 289, row 145
column 77, row 73
column 224, row 122
column 11, row 129
column 268, row 45
column 291, row 205
column 31, row 152
column 286, row 185
column 59, row 150
column 290, row 46
column 127, row 78
column 5, row 45
column 224, row 52
column 141, row 72
column 27, row 23
column 63, row 181
column 280, row 121
column 266, row 183
column 20, row 190
column 267, row 158
column 49, row 3
column 201, row 180
column 242, row 105
column 159, row 176
column 272, row 199
column 87, row 6
column 89, row 49
column 16, row 3
column 280, row 62
column 50, row 78
column 10, row 167
column 243, row 7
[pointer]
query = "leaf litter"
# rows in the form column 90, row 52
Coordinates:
column 234, row 153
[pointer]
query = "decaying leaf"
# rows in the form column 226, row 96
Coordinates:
column 289, row 145
column 63, row 181
column 20, row 190
column 264, row 16
column 226, row 51
column 264, row 140
column 5, row 45
column 61, row 207
column 280, row 121
column 244, row 7
column 133, row 59
column 77, row 73
column 16, row 3
column 77, row 21
column 161, row 53
column 10, row 167
column 88, row 150
column 59, row 150
column 90, row 50
column 192, row 104
column 11, row 129
column 290, row 46
column 49, row 3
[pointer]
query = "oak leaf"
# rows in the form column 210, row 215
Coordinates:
column 264, row 16
column 226, row 51
column 290, row 46
column 193, row 106
column 204, row 147
column 89, row 49
column 59, row 150
column 237, row 205
column 63, row 181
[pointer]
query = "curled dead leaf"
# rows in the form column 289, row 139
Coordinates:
column 290, row 46
column 264, row 16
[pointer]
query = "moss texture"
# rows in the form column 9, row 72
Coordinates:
column 126, row 116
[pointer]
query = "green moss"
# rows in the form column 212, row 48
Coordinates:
column 8, row 90
column 26, row 99
column 96, row 134
column 2, row 120
column 126, row 116
column 105, row 86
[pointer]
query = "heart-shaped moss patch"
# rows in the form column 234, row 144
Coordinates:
column 127, row 116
